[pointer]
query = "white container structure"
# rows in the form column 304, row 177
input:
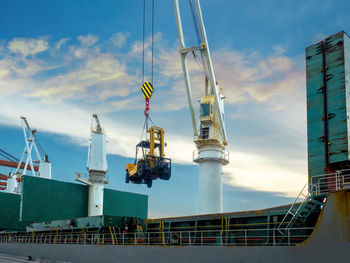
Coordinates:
column 97, row 167
column 211, row 140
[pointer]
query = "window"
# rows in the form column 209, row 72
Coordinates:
column 204, row 133
column 205, row 109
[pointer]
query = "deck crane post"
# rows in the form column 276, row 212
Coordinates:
column 97, row 167
column 211, row 138
column 26, row 161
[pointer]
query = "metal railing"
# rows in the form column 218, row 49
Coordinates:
column 242, row 237
column 223, row 155
column 323, row 184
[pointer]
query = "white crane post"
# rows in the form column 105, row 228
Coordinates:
column 97, row 167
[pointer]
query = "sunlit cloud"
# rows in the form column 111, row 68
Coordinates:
column 28, row 46
column 119, row 39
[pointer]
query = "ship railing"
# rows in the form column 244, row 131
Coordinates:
column 323, row 184
column 223, row 155
column 239, row 237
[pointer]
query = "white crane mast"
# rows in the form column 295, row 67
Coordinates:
column 211, row 138
column 97, row 167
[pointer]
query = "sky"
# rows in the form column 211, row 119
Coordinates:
column 62, row 61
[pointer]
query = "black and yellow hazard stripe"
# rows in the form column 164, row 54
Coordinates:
column 147, row 89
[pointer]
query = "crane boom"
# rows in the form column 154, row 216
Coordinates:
column 15, row 165
column 212, row 78
column 183, row 52
column 203, row 47
column 211, row 140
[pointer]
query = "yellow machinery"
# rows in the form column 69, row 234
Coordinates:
column 153, row 164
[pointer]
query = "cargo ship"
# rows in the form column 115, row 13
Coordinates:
column 50, row 219
column 46, row 219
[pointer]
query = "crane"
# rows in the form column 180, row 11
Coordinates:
column 97, row 167
column 26, row 162
column 11, row 162
column 210, row 138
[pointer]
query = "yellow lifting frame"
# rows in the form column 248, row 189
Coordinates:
column 156, row 135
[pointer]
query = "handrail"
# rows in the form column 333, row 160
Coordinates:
column 240, row 237
column 323, row 184
column 224, row 155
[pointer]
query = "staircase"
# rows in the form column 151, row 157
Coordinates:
column 300, row 211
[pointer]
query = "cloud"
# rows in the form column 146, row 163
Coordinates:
column 119, row 39
column 88, row 40
column 318, row 37
column 95, row 75
column 28, row 46
column 246, row 78
column 258, row 172
column 61, row 43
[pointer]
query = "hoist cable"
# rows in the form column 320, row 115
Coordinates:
column 195, row 22
column 143, row 41
column 41, row 149
column 201, row 66
column 201, row 63
column 152, row 38
column 147, row 118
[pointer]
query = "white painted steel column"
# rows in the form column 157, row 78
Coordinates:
column 210, row 158
column 210, row 187
column 95, row 199
column 97, row 167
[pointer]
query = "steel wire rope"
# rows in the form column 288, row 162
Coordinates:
column 41, row 149
column 147, row 118
column 198, row 36
column 8, row 156
column 152, row 38
column 143, row 41
column 201, row 65
column 143, row 64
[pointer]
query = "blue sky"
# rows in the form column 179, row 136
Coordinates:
column 61, row 61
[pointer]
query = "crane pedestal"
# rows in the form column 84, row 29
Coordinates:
column 96, row 188
column 210, row 158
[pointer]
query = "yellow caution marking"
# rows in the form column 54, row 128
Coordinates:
column 147, row 90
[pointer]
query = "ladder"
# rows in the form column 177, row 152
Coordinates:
column 298, row 212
